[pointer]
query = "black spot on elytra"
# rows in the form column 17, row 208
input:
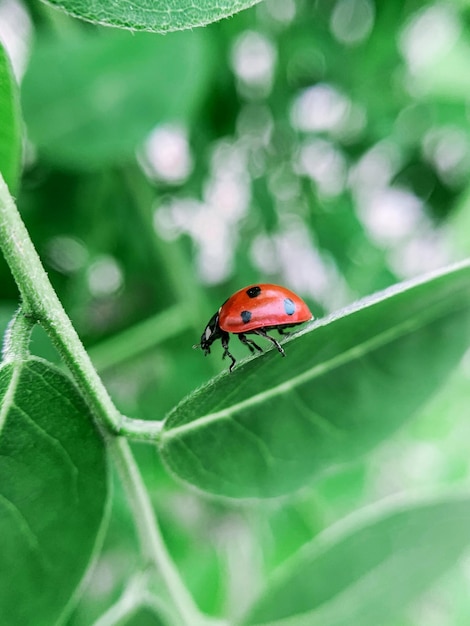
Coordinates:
column 253, row 292
column 246, row 316
column 289, row 306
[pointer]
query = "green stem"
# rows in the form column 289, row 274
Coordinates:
column 151, row 541
column 141, row 430
column 126, row 605
column 41, row 303
column 16, row 342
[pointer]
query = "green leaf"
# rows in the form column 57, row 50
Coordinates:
column 91, row 100
column 144, row 617
column 10, row 126
column 53, row 492
column 157, row 17
column 365, row 570
column 347, row 383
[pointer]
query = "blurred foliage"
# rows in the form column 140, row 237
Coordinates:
column 10, row 131
column 322, row 145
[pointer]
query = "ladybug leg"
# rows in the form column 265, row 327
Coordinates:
column 225, row 339
column 262, row 332
column 249, row 343
column 284, row 332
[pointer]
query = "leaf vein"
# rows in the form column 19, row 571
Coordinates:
column 266, row 453
column 26, row 530
column 316, row 371
column 56, row 444
column 315, row 418
column 204, row 470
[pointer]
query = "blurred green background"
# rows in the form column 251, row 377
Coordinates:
column 317, row 144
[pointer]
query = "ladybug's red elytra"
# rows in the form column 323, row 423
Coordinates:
column 254, row 310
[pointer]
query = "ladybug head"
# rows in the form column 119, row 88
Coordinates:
column 211, row 333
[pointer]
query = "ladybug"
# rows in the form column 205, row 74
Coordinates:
column 254, row 310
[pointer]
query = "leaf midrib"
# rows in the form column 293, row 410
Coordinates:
column 315, row 372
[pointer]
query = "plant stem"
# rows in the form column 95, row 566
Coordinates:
column 17, row 335
column 151, row 541
column 40, row 302
column 133, row 597
column 141, row 430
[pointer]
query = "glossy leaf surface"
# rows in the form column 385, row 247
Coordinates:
column 347, row 383
column 53, row 492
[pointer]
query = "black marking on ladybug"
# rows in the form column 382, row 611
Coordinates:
column 246, row 316
column 253, row 292
column 289, row 306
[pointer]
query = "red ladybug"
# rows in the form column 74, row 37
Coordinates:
column 254, row 310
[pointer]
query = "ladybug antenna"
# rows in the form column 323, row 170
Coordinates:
column 196, row 345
